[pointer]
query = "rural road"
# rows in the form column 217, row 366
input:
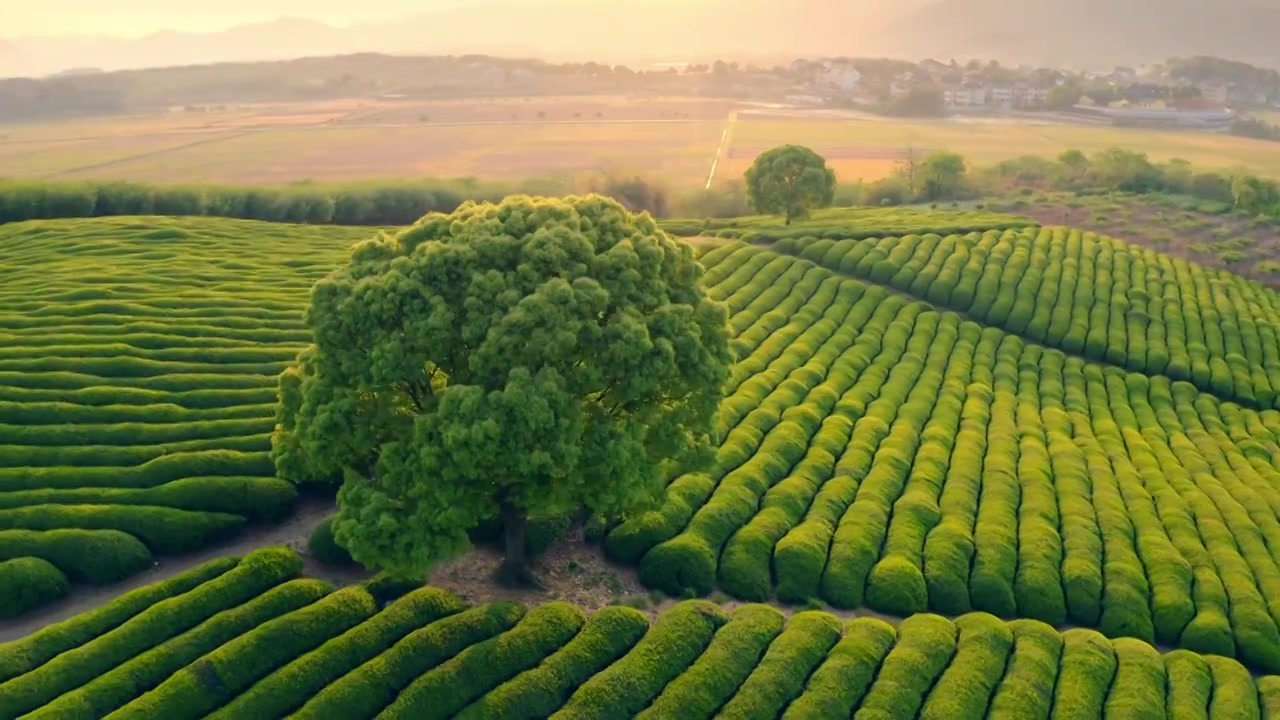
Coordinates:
column 293, row 532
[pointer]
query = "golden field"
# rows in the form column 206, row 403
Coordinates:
column 511, row 138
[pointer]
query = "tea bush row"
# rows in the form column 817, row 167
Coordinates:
column 1087, row 295
column 888, row 455
column 137, row 384
column 247, row 641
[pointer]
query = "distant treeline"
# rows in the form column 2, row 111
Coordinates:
column 391, row 203
column 938, row 177
column 375, row 203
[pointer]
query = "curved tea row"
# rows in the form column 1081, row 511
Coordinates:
column 878, row 452
column 138, row 360
column 1087, row 295
column 247, row 638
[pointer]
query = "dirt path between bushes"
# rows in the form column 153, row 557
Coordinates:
column 293, row 532
column 571, row 571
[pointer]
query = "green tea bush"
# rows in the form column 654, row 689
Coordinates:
column 256, row 498
column 141, row 674
column 166, row 531
column 90, row 556
column 371, row 687
column 253, row 575
column 539, row 692
column 629, row 685
column 717, row 674
column 21, row 656
column 785, row 668
column 447, row 689
column 27, row 583
column 215, row 679
column 840, row 683
column 288, row 688
column 325, row 548
column 926, row 644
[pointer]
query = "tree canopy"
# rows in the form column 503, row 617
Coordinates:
column 790, row 180
column 533, row 356
column 944, row 175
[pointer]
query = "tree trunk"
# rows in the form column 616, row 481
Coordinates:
column 515, row 561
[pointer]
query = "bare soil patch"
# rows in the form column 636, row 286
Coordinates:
column 571, row 571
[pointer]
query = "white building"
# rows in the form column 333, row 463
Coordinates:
column 1215, row 92
column 965, row 97
column 1002, row 97
column 839, row 76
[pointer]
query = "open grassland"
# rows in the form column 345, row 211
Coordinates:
column 870, row 148
column 248, row 638
column 877, row 451
column 138, row 363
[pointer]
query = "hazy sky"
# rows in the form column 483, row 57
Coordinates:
column 139, row 17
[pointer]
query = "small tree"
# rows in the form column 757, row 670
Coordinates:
column 944, row 175
column 533, row 357
column 790, row 180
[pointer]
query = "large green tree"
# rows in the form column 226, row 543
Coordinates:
column 790, row 180
column 536, row 356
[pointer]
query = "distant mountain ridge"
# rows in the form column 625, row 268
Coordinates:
column 1096, row 33
column 1107, row 32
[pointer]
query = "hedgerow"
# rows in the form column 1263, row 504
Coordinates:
column 782, row 672
column 22, row 656
column 295, row 648
column 537, row 693
column 253, row 575
column 629, row 685
column 966, row 686
column 142, row 673
column 138, row 364
column 325, row 548
column 256, row 498
column 149, row 474
column 444, row 690
column 1027, row 687
column 925, row 647
column 27, row 583
column 166, row 531
column 210, row 682
column 1108, row 300
column 876, row 452
column 371, row 687
column 718, row 673
column 286, row 689
column 840, row 683
column 89, row 556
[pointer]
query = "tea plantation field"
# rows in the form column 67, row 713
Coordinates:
column 877, row 451
column 1088, row 295
column 249, row 638
column 1047, row 450
column 138, row 363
